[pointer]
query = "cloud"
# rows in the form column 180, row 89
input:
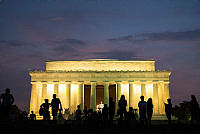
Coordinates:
column 117, row 54
column 71, row 41
column 65, row 48
column 14, row 43
column 163, row 36
column 18, row 51
column 68, row 45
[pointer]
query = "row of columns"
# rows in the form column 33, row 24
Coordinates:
column 39, row 93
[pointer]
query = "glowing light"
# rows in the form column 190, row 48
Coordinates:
column 50, row 91
column 74, row 97
column 137, row 94
column 125, row 92
column 62, row 94
column 39, row 87
column 149, row 91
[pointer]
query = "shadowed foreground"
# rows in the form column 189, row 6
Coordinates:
column 69, row 127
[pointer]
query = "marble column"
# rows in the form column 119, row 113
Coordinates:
column 106, row 93
column 39, row 96
column 161, row 98
column 68, row 96
column 143, row 90
column 131, row 95
column 118, row 94
column 166, row 91
column 155, row 98
column 33, row 102
column 93, row 96
column 62, row 94
column 119, row 86
column 137, row 93
column 56, row 89
column 81, row 95
column 44, row 91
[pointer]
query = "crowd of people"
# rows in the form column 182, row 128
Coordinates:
column 106, row 115
column 108, row 111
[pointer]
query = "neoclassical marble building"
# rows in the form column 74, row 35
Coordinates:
column 91, row 82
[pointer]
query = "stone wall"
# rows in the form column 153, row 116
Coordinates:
column 97, row 65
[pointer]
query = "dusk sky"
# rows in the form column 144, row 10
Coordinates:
column 33, row 31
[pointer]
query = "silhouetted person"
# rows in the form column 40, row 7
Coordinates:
column 78, row 113
column 131, row 116
column 194, row 109
column 122, row 107
column 32, row 116
column 142, row 110
column 6, row 101
column 168, row 110
column 85, row 111
column 60, row 119
column 45, row 112
column 90, row 114
column 55, row 102
column 111, row 109
column 105, row 112
column 149, row 110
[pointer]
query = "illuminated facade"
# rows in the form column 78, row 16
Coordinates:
column 91, row 82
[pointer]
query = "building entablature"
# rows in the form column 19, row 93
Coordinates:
column 102, row 82
column 96, row 76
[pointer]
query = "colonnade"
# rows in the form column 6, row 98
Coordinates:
column 72, row 94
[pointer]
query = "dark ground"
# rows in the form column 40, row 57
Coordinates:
column 69, row 127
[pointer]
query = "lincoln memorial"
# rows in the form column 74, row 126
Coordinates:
column 91, row 82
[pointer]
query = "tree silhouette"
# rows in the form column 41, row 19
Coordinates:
column 182, row 112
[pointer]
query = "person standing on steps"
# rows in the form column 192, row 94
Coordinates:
column 32, row 116
column 44, row 108
column 122, row 108
column 149, row 110
column 142, row 110
column 55, row 103
column 111, row 109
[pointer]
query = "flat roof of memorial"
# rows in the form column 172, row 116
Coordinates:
column 113, row 60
